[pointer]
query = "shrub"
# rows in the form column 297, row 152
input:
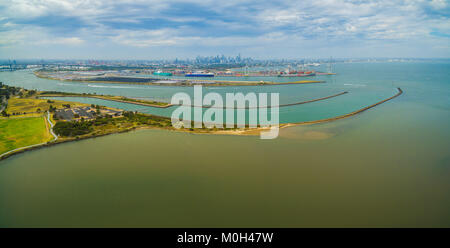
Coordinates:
column 73, row 128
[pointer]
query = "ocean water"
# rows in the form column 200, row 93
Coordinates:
column 387, row 167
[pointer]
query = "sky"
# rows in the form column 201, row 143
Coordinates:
column 165, row 29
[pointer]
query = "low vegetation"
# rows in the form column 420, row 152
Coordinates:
column 21, row 106
column 107, row 124
column 6, row 91
column 20, row 132
column 72, row 129
column 105, row 97
column 43, row 93
column 126, row 99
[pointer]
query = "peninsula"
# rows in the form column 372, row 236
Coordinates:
column 47, row 122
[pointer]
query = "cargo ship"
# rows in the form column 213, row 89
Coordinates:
column 161, row 73
column 298, row 74
column 199, row 74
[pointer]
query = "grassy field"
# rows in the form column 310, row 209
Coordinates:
column 30, row 105
column 20, row 132
column 107, row 97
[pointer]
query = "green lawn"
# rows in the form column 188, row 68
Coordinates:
column 20, row 132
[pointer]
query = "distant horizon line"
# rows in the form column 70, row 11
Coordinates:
column 211, row 56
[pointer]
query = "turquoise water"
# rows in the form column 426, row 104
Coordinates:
column 387, row 167
column 362, row 92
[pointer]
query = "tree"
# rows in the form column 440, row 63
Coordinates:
column 72, row 128
column 4, row 114
column 51, row 108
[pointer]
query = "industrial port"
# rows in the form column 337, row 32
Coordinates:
column 186, row 75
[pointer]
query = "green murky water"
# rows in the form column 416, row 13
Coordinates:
column 388, row 167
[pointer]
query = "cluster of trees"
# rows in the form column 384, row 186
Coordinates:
column 73, row 128
column 100, row 121
column 27, row 93
column 76, row 128
column 95, row 106
column 6, row 91
column 132, row 117
column 83, row 127
column 147, row 119
column 51, row 108
column 16, row 113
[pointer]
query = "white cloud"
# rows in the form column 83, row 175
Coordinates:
column 35, row 8
column 66, row 41
column 227, row 23
column 33, row 36
column 438, row 4
column 280, row 17
column 144, row 38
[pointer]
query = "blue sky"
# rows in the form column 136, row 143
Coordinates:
column 157, row 29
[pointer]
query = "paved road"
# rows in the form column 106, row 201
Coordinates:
column 51, row 126
column 3, row 104
column 26, row 147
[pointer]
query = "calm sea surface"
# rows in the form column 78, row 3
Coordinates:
column 387, row 167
